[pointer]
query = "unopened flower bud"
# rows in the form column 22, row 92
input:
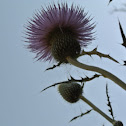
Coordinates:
column 71, row 92
column 118, row 123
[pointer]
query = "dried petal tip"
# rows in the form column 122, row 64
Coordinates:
column 71, row 92
column 118, row 123
column 58, row 32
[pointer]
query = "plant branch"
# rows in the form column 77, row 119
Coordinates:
column 97, row 109
column 99, row 70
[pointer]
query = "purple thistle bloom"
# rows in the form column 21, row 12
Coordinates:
column 58, row 32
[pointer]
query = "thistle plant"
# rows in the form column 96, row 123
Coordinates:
column 61, row 33
column 72, row 92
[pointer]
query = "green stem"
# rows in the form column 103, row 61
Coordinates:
column 97, row 109
column 99, row 70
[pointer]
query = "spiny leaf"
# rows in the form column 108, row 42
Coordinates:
column 53, row 66
column 82, row 114
column 109, row 103
column 50, row 86
column 73, row 80
column 95, row 52
column 123, row 35
column 110, row 1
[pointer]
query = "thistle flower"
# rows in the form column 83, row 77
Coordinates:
column 58, row 32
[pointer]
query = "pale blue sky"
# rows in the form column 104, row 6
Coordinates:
column 22, row 79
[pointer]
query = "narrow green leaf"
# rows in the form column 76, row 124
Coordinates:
column 123, row 35
column 82, row 114
column 109, row 103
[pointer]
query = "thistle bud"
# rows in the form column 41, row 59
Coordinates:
column 71, row 92
column 118, row 123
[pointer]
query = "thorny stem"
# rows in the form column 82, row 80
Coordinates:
column 97, row 109
column 99, row 70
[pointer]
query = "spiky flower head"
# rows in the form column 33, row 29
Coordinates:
column 58, row 31
column 71, row 92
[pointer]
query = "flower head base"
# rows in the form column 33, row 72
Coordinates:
column 71, row 92
column 58, row 32
column 63, row 45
